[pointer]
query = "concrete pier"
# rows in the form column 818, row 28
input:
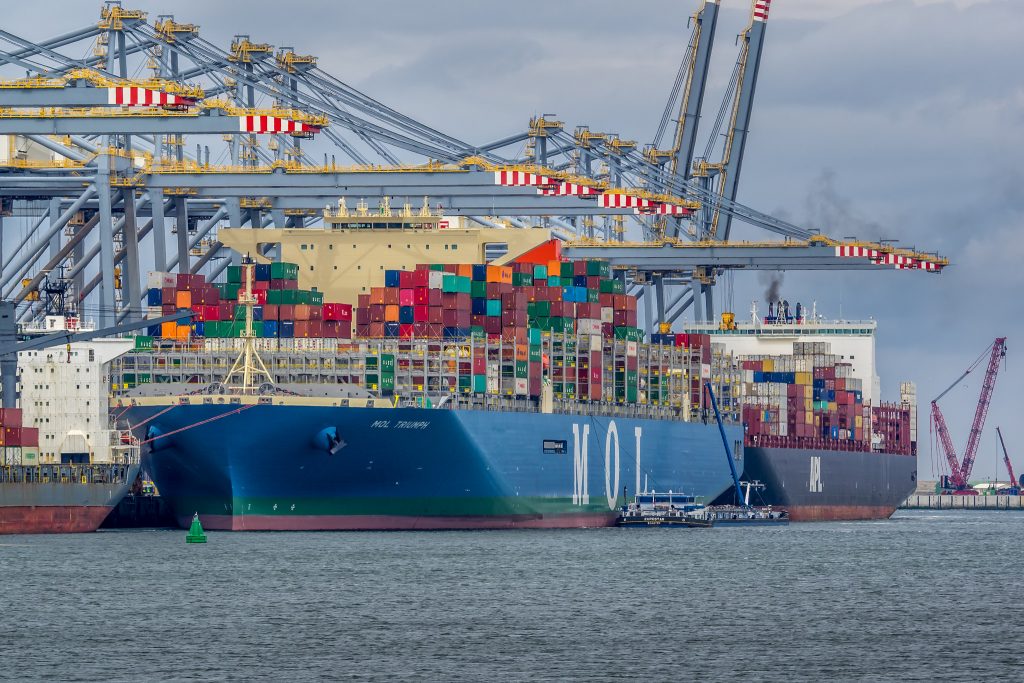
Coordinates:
column 935, row 502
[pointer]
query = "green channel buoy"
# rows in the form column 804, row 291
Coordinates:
column 195, row 532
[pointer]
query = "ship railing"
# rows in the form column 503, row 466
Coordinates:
column 65, row 474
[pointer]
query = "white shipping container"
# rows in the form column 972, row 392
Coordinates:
column 607, row 314
column 158, row 280
column 522, row 386
column 435, row 279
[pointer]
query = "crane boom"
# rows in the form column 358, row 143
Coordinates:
column 981, row 412
column 947, row 445
column 1006, row 458
column 749, row 64
column 706, row 19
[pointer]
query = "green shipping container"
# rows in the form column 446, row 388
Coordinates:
column 533, row 336
column 494, row 307
column 143, row 343
column 478, row 290
column 593, row 296
column 522, row 369
column 554, row 281
column 629, row 334
column 284, row 271
column 372, row 380
column 448, row 284
column 540, row 272
column 387, row 364
column 479, row 384
column 567, row 269
column 542, row 309
column 437, row 266
column 535, row 353
column 522, row 279
column 387, row 384
column 316, row 298
column 477, row 331
column 234, row 274
column 598, row 267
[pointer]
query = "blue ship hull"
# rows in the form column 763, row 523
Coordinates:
column 279, row 467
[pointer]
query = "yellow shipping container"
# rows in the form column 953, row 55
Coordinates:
column 832, row 406
column 809, row 418
column 769, row 365
column 804, row 378
column 808, row 405
column 858, row 421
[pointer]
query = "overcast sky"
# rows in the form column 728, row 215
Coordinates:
column 893, row 119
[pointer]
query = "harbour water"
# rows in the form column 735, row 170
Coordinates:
column 923, row 596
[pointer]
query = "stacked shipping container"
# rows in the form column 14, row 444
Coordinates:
column 282, row 310
column 811, row 399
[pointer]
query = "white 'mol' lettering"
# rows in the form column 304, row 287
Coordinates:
column 815, row 474
column 611, row 491
column 580, row 489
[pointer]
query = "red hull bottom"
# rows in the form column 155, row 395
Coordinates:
column 69, row 519
column 837, row 513
column 394, row 522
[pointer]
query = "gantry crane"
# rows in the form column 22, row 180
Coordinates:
column 1015, row 484
column 744, row 83
column 960, row 472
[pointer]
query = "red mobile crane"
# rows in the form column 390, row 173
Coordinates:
column 1015, row 485
column 956, row 482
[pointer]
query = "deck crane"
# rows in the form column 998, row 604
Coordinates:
column 960, row 472
column 1015, row 484
column 744, row 83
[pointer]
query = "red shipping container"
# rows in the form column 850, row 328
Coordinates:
column 492, row 325
column 514, row 318
column 286, row 312
column 377, row 313
column 406, row 296
column 316, row 313
column 458, row 318
column 270, row 311
column 579, row 268
column 168, row 295
column 419, row 278
column 477, row 320
column 258, row 286
column 391, row 296
column 376, row 330
column 362, row 316
column 343, row 329
column 10, row 417
column 435, row 315
column 336, row 311
column 168, row 309
column 405, row 280
column 554, row 294
column 405, row 330
column 363, row 300
column 479, row 365
column 377, row 295
column 421, row 296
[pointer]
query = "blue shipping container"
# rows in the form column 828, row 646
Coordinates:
column 405, row 315
column 392, row 278
column 390, row 329
column 154, row 297
column 263, row 272
column 286, row 329
column 269, row 328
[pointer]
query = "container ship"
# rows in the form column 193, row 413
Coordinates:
column 492, row 393
column 816, row 433
column 62, row 468
column 410, row 372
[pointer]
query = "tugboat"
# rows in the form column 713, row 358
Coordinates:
column 672, row 510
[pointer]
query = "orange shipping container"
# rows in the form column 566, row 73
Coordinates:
column 302, row 311
column 183, row 333
column 168, row 330
column 464, row 270
column 183, row 299
column 377, row 295
column 391, row 313
column 499, row 274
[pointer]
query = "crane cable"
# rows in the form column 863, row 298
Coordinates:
column 198, row 424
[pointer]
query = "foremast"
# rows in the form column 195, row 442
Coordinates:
column 248, row 366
